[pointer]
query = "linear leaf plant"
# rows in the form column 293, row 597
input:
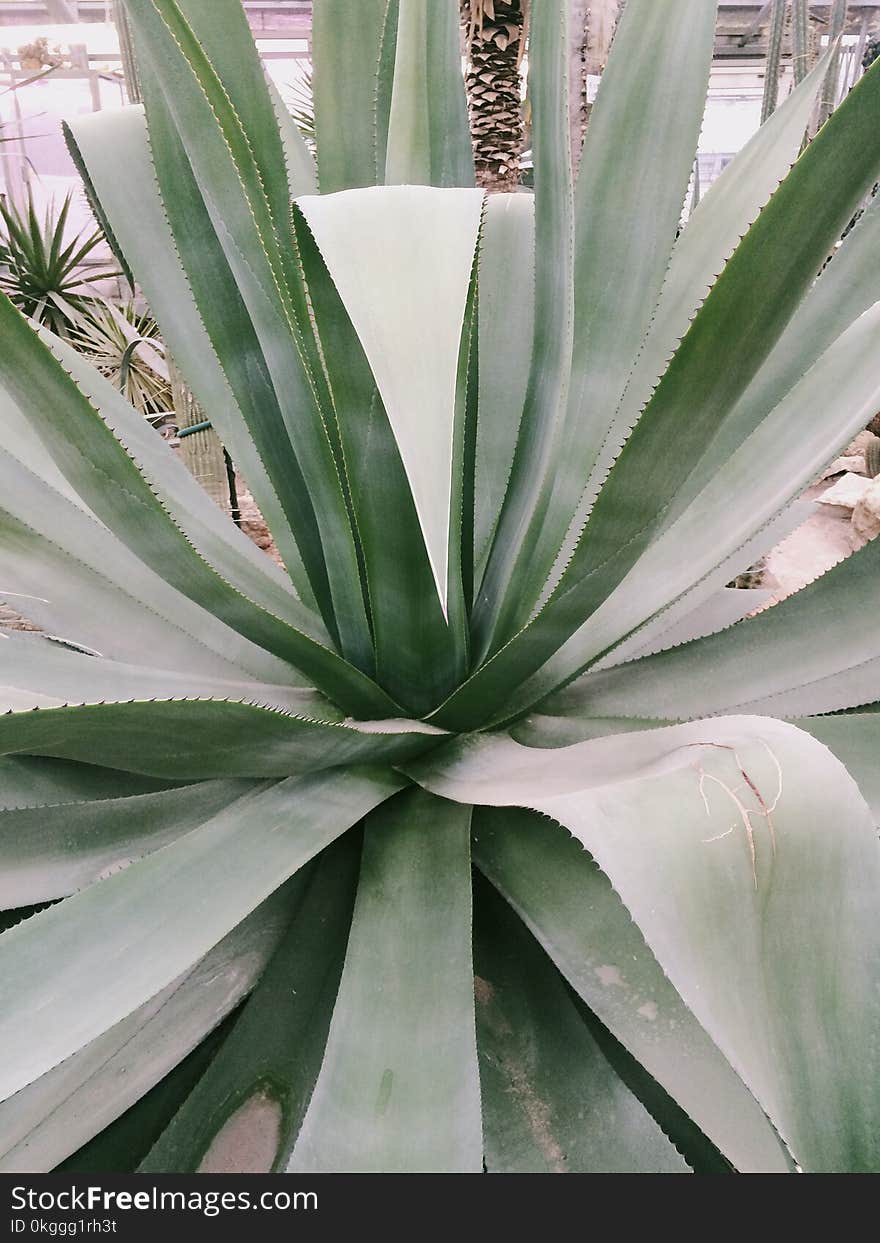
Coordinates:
column 489, row 832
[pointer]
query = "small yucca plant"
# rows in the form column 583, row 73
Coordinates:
column 123, row 343
column 42, row 270
column 505, row 448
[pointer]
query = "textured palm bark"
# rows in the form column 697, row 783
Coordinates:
column 495, row 32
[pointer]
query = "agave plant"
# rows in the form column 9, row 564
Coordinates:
column 484, row 834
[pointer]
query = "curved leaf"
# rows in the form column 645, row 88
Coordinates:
column 204, row 155
column 717, row 835
column 726, row 212
column 70, row 575
column 835, row 399
column 854, row 737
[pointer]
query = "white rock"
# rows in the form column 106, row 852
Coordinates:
column 855, row 465
column 847, row 492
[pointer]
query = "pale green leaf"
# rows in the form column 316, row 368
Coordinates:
column 854, row 737
column 428, row 140
column 50, row 851
column 399, row 1087
column 571, row 908
column 346, row 41
column 113, row 149
column 51, row 1118
column 79, row 968
column 725, row 213
column 718, row 835
column 373, row 243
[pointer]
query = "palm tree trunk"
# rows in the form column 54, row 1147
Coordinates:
column 495, row 36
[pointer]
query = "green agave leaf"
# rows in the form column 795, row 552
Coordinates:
column 553, row 728
column 742, row 318
column 510, row 557
column 702, row 383
column 698, row 1151
column 574, row 913
column 50, row 851
column 399, row 1086
column 726, row 212
column 19, row 437
column 724, row 608
column 399, row 581
column 114, row 155
column 218, row 540
column 196, row 739
column 89, row 450
column 52, row 1117
column 460, row 556
column 506, row 327
column 846, row 288
column 71, row 576
column 383, row 86
column 245, row 1113
column 854, row 737
column 29, row 782
column 34, row 672
column 650, row 105
column 834, row 399
column 233, row 333
column 346, row 46
column 779, row 662
column 372, row 241
column 715, row 835
column 221, row 30
column 699, row 598
column 551, row 1101
column 121, row 1146
column 76, row 970
column 192, row 120
column 428, row 140
column 208, row 69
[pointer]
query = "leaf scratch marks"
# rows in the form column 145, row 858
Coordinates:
column 764, row 809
